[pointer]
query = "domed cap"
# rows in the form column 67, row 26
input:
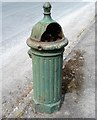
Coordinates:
column 47, row 34
column 46, row 25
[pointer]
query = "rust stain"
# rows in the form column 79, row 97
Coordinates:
column 42, row 98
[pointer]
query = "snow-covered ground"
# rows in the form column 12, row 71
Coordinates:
column 17, row 22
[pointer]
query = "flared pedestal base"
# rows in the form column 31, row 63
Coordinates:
column 46, row 108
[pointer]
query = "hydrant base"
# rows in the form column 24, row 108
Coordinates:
column 46, row 108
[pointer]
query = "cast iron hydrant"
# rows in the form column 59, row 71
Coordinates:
column 47, row 43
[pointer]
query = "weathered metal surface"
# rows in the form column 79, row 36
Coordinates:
column 47, row 79
column 47, row 76
column 47, row 44
column 46, row 25
column 40, row 27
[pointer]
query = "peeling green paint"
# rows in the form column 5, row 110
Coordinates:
column 47, row 62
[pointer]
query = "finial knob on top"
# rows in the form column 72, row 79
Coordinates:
column 47, row 7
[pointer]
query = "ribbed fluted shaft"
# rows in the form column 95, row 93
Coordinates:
column 47, row 78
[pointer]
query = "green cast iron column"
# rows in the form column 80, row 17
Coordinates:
column 47, row 60
column 47, row 79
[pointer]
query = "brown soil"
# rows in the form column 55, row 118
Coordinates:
column 73, row 73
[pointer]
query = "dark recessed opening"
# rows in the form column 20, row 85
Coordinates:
column 53, row 33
